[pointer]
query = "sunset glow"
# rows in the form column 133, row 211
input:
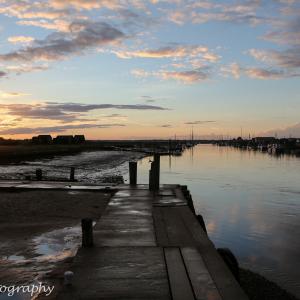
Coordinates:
column 149, row 69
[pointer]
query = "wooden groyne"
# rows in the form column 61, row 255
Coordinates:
column 148, row 244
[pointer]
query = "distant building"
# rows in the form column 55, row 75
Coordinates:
column 64, row 139
column 79, row 139
column 42, row 139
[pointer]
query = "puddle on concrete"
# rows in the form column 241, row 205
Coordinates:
column 58, row 244
column 48, row 248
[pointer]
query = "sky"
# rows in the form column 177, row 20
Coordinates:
column 134, row 69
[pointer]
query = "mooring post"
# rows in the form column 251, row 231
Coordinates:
column 72, row 174
column 151, row 177
column 132, row 172
column 39, row 174
column 156, row 171
column 87, row 232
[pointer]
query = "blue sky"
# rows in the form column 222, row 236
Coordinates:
column 149, row 69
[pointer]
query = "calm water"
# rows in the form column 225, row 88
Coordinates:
column 250, row 202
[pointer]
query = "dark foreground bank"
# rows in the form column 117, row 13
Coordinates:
column 14, row 153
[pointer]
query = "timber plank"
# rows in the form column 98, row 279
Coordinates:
column 228, row 287
column 179, row 282
column 202, row 283
column 160, row 227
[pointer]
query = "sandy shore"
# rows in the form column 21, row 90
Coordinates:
column 38, row 230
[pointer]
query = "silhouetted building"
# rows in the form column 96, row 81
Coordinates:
column 63, row 139
column 79, row 139
column 42, row 139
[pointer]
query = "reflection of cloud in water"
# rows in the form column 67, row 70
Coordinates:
column 211, row 227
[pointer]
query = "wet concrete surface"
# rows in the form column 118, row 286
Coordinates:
column 127, row 221
column 119, row 273
column 133, row 258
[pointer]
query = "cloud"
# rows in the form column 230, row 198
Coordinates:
column 86, row 4
column 166, row 126
column 50, row 129
column 115, row 116
column 234, row 69
column 2, row 74
column 26, row 68
column 22, row 9
column 39, row 111
column 140, row 73
column 83, row 35
column 263, row 73
column 151, row 99
column 77, row 107
column 289, row 58
column 20, row 39
column 168, row 52
column 178, row 17
column 147, row 98
column 293, row 130
column 57, row 25
column 66, row 112
column 287, row 33
column 200, row 12
column 199, row 122
column 260, row 73
column 281, row 64
column 12, row 94
column 190, row 76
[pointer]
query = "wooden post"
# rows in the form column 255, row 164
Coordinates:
column 72, row 174
column 39, row 174
column 151, row 177
column 156, row 171
column 87, row 232
column 132, row 172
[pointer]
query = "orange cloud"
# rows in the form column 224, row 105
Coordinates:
column 169, row 52
column 20, row 39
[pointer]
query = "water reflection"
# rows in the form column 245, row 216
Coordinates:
column 250, row 202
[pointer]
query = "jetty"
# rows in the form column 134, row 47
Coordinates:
column 148, row 244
